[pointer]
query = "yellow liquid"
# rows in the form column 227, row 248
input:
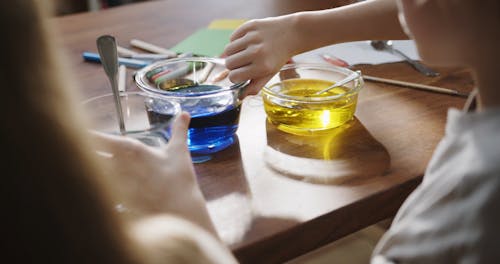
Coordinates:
column 299, row 117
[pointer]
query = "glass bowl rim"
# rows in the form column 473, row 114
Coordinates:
column 139, row 79
column 321, row 66
column 152, row 128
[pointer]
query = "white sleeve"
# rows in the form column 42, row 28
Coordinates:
column 454, row 215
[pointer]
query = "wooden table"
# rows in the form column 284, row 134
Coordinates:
column 336, row 183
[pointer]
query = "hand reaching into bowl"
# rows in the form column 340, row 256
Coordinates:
column 258, row 49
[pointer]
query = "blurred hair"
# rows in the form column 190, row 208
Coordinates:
column 56, row 202
column 55, row 210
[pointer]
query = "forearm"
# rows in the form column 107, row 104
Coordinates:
column 188, row 203
column 375, row 19
column 192, row 206
column 168, row 239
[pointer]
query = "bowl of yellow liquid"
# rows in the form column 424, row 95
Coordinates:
column 293, row 104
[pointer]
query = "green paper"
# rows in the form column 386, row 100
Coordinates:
column 205, row 42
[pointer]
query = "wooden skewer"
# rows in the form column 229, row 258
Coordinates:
column 220, row 76
column 151, row 48
column 415, row 86
column 335, row 61
column 125, row 52
column 122, row 78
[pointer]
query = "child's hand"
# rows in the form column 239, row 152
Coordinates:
column 151, row 180
column 258, row 49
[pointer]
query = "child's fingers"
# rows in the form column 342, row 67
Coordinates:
column 258, row 68
column 236, row 46
column 178, row 141
column 241, row 59
column 256, row 85
column 242, row 30
column 242, row 74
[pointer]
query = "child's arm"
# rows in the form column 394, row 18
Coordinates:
column 169, row 239
column 259, row 48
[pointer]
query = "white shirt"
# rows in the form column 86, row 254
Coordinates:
column 454, row 215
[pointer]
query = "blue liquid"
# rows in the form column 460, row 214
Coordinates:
column 214, row 119
column 213, row 132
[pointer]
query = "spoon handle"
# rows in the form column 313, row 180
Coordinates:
column 348, row 79
column 417, row 65
column 109, row 56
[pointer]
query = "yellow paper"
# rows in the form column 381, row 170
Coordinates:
column 226, row 23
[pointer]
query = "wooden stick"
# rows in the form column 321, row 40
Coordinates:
column 220, row 76
column 205, row 72
column 331, row 59
column 125, row 52
column 415, row 86
column 152, row 48
column 122, row 78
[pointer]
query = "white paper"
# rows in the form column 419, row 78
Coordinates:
column 361, row 52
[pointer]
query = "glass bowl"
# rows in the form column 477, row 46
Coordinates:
column 201, row 87
column 147, row 117
column 291, row 104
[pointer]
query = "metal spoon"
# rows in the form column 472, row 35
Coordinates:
column 387, row 46
column 348, row 79
column 109, row 57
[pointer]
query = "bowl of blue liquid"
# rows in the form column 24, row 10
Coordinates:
column 201, row 87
